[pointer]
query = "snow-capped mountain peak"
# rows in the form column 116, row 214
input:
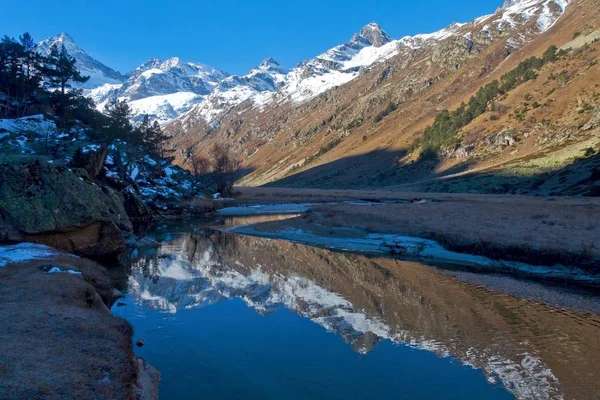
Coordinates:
column 339, row 64
column 99, row 73
column 269, row 64
column 373, row 34
column 259, row 86
column 163, row 89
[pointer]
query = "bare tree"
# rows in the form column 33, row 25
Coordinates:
column 225, row 165
column 200, row 165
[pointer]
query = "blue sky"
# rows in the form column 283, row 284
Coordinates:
column 230, row 35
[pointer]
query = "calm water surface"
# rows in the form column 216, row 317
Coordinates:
column 235, row 317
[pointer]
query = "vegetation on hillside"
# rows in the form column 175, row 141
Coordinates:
column 443, row 132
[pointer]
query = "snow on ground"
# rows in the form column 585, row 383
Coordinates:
column 266, row 209
column 21, row 134
column 390, row 244
column 57, row 270
column 24, row 252
column 370, row 55
column 34, row 123
column 527, row 9
column 300, row 89
column 164, row 108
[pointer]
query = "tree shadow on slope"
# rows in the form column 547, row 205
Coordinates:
column 377, row 169
column 579, row 178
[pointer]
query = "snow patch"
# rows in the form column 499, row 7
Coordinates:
column 57, row 270
column 24, row 252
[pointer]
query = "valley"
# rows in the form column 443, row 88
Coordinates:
column 412, row 216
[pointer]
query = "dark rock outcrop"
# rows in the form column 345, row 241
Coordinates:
column 136, row 209
column 54, row 205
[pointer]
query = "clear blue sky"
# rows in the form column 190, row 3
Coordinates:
column 231, row 35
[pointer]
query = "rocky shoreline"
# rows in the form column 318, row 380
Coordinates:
column 54, row 220
column 69, row 210
column 60, row 338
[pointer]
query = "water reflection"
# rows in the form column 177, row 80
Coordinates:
column 534, row 350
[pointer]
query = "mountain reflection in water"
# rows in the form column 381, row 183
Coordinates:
column 534, row 350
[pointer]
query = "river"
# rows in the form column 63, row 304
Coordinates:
column 227, row 316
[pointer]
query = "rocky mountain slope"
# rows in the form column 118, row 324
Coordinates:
column 361, row 133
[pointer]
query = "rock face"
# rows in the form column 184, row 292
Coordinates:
column 505, row 138
column 51, row 204
column 375, row 35
column 594, row 120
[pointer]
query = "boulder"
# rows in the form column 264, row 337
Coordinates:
column 464, row 151
column 498, row 142
column 99, row 239
column 594, row 120
column 50, row 204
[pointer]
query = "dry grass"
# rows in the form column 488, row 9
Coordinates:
column 533, row 229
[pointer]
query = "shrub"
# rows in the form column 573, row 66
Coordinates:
column 388, row 109
column 444, row 130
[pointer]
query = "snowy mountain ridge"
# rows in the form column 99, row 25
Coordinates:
column 198, row 93
column 343, row 63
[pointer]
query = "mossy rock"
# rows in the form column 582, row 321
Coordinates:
column 38, row 198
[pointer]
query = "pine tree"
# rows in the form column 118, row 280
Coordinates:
column 19, row 74
column 60, row 70
column 118, row 121
column 29, row 53
column 153, row 138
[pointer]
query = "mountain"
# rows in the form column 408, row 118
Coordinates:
column 258, row 86
column 99, row 73
column 162, row 89
column 362, row 133
column 271, row 83
column 370, row 45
